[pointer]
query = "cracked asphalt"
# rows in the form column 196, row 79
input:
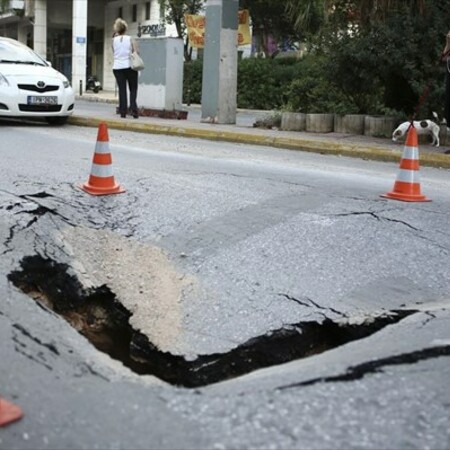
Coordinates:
column 212, row 246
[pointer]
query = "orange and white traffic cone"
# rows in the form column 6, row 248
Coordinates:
column 9, row 412
column 101, row 180
column 407, row 184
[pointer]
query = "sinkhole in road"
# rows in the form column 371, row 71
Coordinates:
column 104, row 321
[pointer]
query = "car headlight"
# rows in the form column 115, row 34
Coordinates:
column 3, row 80
column 66, row 84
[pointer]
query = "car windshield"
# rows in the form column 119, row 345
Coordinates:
column 15, row 53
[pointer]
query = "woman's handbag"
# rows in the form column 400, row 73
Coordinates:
column 136, row 62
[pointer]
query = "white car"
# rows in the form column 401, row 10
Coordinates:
column 30, row 87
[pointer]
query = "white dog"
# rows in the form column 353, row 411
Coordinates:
column 422, row 127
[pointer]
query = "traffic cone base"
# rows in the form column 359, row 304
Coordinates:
column 101, row 180
column 406, row 192
column 404, row 198
column 93, row 187
column 9, row 412
column 407, row 185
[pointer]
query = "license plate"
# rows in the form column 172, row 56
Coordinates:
column 42, row 100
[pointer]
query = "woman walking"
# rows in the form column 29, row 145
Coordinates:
column 123, row 45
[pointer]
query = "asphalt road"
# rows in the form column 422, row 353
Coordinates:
column 222, row 258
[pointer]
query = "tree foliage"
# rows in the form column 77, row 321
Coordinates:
column 382, row 55
column 312, row 14
column 4, row 6
column 308, row 16
column 364, row 56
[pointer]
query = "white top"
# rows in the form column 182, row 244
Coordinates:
column 122, row 49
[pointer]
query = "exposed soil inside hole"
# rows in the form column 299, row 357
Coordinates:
column 101, row 318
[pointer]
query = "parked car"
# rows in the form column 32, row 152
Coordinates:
column 30, row 87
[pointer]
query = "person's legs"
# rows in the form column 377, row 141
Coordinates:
column 447, row 95
column 121, row 79
column 133, row 85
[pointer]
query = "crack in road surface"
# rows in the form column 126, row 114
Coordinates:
column 99, row 316
column 309, row 303
column 361, row 370
column 375, row 216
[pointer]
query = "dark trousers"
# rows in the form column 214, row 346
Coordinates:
column 124, row 76
column 447, row 96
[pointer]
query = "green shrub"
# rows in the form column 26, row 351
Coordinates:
column 313, row 92
column 262, row 83
column 388, row 65
column 192, row 82
column 256, row 85
column 278, row 84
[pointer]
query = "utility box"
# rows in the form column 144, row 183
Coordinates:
column 160, row 84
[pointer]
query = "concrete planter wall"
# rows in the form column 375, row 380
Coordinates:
column 292, row 121
column 379, row 126
column 349, row 123
column 354, row 123
column 338, row 123
column 320, row 123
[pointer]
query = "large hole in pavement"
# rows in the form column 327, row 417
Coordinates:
column 103, row 320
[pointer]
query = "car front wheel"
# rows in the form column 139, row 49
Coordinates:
column 56, row 120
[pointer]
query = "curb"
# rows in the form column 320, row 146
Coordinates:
column 94, row 99
column 437, row 160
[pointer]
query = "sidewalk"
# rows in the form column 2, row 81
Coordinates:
column 91, row 109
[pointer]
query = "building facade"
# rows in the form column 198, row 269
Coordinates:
column 75, row 35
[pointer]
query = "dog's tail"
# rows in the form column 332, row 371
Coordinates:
column 436, row 116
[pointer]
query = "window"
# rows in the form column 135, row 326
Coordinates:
column 147, row 11
column 134, row 13
column 120, row 13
